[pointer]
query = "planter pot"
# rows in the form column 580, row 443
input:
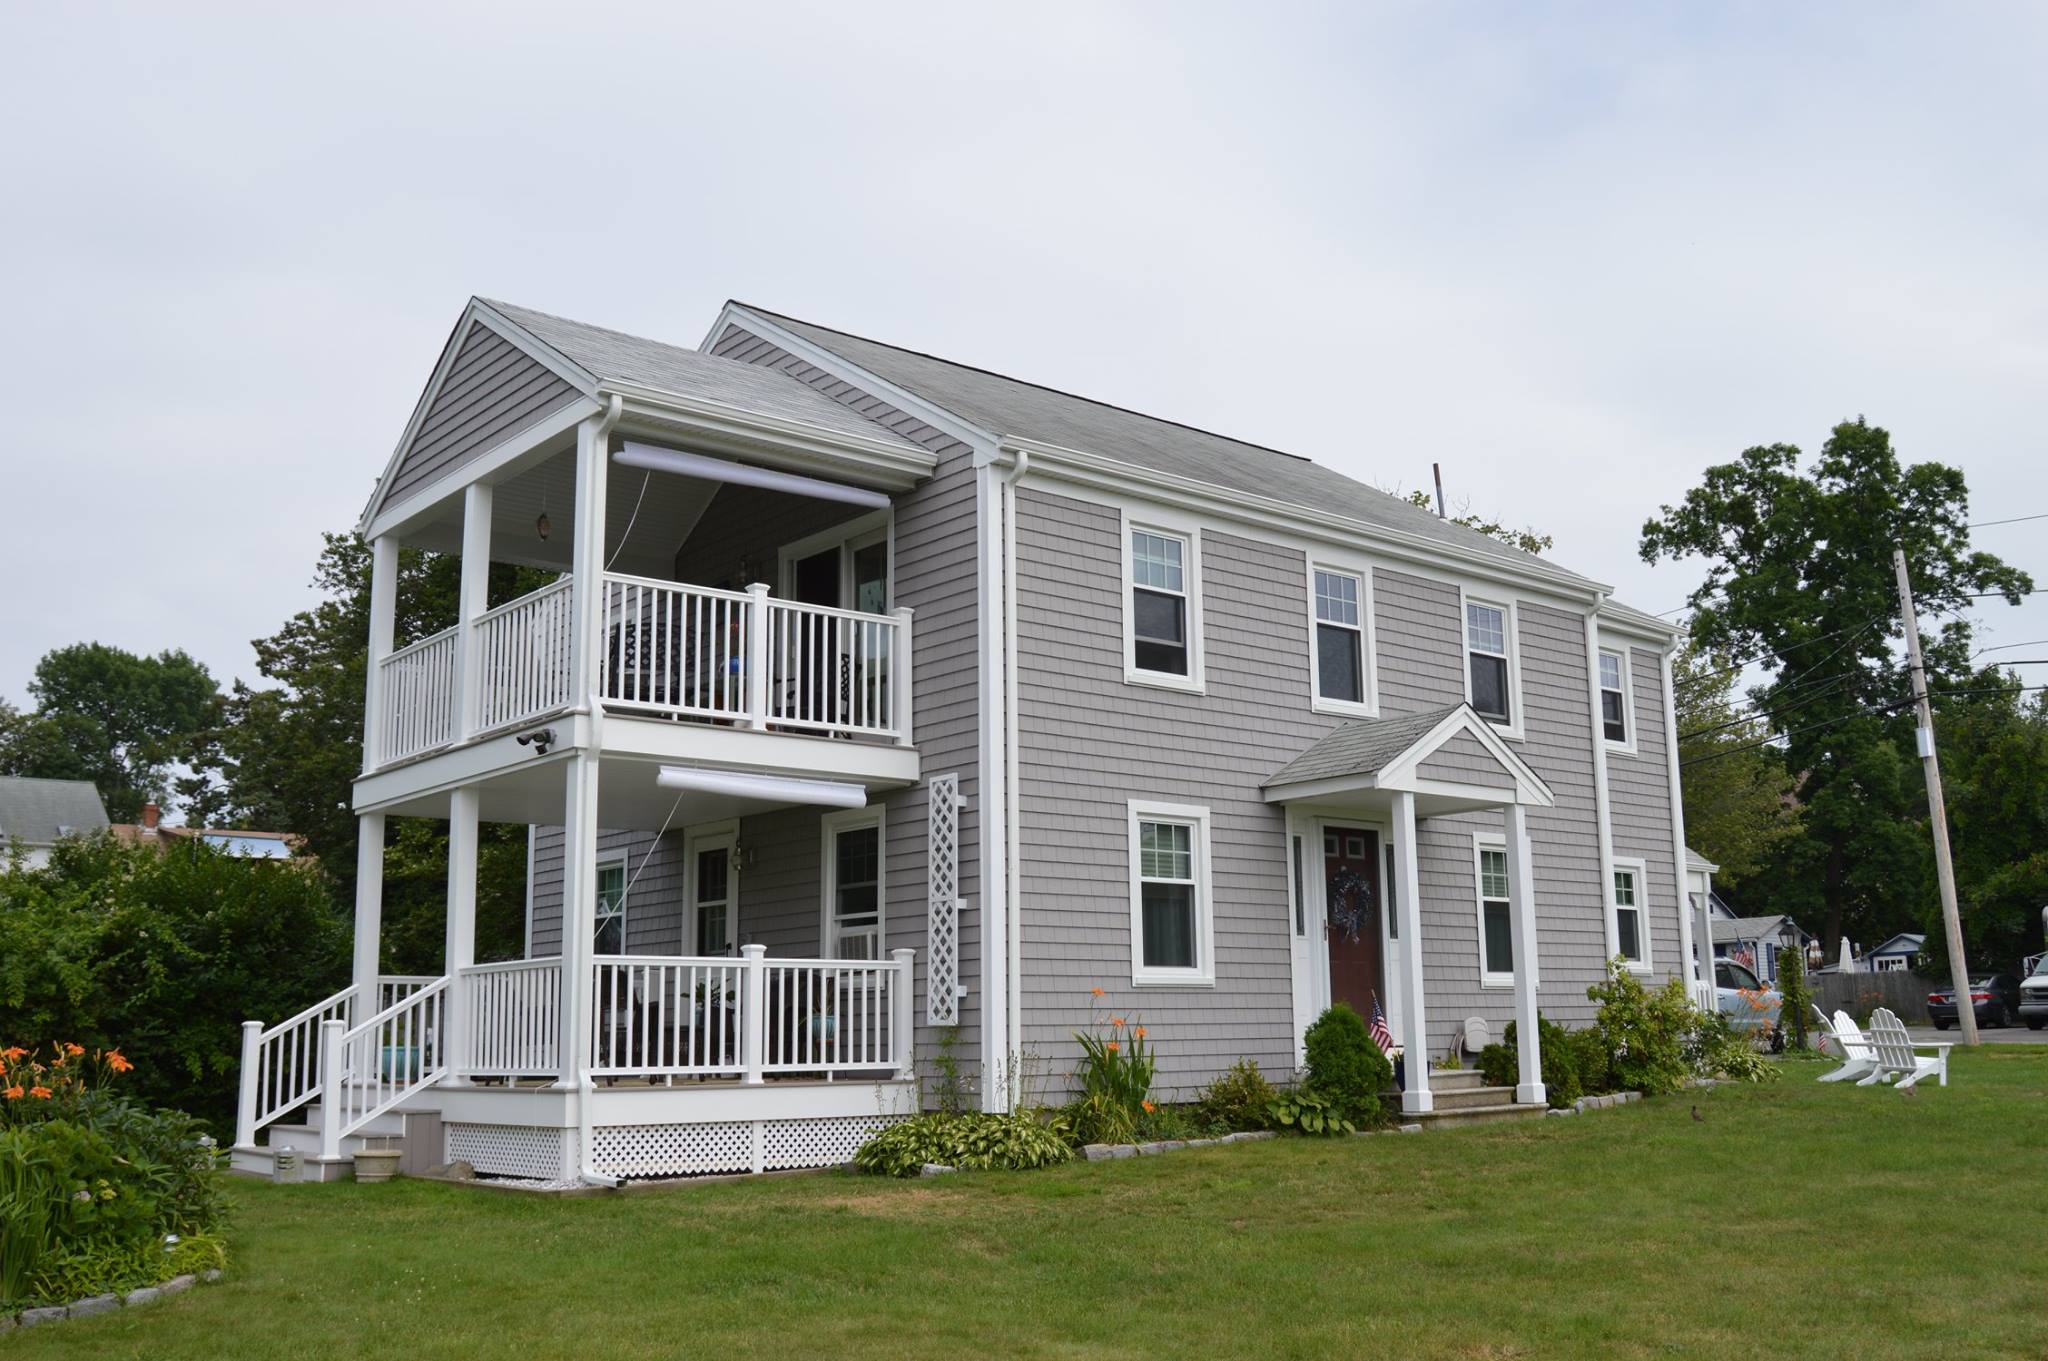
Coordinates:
column 377, row 1164
column 399, row 1062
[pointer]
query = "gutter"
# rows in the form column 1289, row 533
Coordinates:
column 1012, row 820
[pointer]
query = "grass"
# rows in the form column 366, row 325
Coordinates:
column 1790, row 1220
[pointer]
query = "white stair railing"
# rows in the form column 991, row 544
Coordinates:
column 513, row 1024
column 371, row 1068
column 281, row 1065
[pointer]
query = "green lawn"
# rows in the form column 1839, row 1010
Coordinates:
column 1793, row 1220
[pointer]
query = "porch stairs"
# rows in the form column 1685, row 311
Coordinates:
column 1461, row 1097
column 416, row 1134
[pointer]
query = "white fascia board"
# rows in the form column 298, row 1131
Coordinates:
column 1051, row 462
column 1400, row 773
column 1662, row 636
column 897, row 463
column 983, row 442
column 503, row 460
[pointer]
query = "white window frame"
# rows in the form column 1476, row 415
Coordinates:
column 1190, row 536
column 1481, row 843
column 1203, row 975
column 829, row 828
column 1637, row 866
column 712, row 836
column 610, row 860
column 1369, row 671
column 1511, row 623
column 1627, row 746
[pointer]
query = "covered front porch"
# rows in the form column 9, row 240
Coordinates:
column 1356, row 802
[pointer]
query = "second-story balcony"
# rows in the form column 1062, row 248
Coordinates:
column 669, row 651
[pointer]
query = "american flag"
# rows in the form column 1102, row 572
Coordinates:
column 1381, row 1036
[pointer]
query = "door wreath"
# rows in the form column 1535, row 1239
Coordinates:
column 1351, row 904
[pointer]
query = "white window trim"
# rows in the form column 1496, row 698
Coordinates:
column 709, row 837
column 1640, row 868
column 1203, row 975
column 605, row 861
column 1368, row 644
column 1628, row 699
column 1513, row 728
column 1191, row 573
column 1489, row 978
column 829, row 828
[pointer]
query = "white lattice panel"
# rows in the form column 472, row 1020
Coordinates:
column 816, row 1143
column 510, row 1150
column 942, row 873
column 673, row 1150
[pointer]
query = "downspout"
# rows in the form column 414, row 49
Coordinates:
column 1012, row 820
column 587, row 1087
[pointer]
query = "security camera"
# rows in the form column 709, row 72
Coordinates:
column 540, row 739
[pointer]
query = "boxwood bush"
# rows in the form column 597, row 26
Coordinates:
column 1345, row 1067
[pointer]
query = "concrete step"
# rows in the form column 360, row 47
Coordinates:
column 1453, row 1117
column 1455, row 1079
column 1466, row 1098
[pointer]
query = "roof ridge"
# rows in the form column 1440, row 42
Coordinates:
column 593, row 326
column 1026, row 382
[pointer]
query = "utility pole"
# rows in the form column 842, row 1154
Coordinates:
column 1930, row 765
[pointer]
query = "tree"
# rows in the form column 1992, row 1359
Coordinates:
column 1799, row 581
column 1994, row 766
column 1528, row 540
column 112, row 717
column 1739, row 805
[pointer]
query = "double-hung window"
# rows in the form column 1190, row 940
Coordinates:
column 1631, row 936
column 1171, row 928
column 1614, row 707
column 1341, row 654
column 1488, row 661
column 610, row 935
column 1496, row 931
column 1162, row 612
column 853, row 885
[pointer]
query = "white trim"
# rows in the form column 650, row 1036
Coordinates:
column 1369, row 668
column 1679, row 853
column 1196, row 817
column 1603, row 827
column 1190, row 538
column 712, row 836
column 606, row 860
column 1512, row 630
column 516, row 453
column 1627, row 746
column 830, row 826
column 1636, row 866
column 990, row 808
column 1481, row 842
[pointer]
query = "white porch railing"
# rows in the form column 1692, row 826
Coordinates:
column 832, row 670
column 367, row 1070
column 676, row 649
column 514, row 1018
column 835, row 1016
column 523, row 657
column 418, row 688
column 667, row 1017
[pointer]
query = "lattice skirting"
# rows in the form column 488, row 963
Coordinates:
column 513, row 1150
column 729, row 1146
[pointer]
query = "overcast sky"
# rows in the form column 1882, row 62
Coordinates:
column 1573, row 253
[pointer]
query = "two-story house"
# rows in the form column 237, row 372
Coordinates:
column 886, row 708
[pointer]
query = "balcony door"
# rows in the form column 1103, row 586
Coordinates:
column 842, row 669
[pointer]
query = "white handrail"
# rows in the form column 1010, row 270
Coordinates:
column 830, row 670
column 281, row 1066
column 522, row 657
column 831, row 1016
column 388, row 1057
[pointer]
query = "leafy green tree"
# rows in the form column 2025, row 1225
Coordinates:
column 1526, row 539
column 1994, row 766
column 1799, row 579
column 1739, row 807
column 112, row 717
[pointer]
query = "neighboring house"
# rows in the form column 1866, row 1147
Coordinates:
column 889, row 708
column 1896, row 955
column 248, row 845
column 36, row 814
column 1755, row 941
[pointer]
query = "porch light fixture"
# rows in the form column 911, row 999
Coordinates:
column 767, row 788
column 745, row 475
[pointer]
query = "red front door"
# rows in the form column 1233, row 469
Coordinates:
column 1351, row 879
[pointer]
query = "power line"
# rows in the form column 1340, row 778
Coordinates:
column 2007, row 647
column 1771, row 716
column 1860, row 713
column 2017, row 519
column 1787, row 651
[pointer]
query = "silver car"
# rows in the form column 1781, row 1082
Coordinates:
column 1747, row 1001
column 2034, row 995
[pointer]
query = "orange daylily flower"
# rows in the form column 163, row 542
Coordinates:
column 41, row 1093
column 1097, row 992
column 1112, row 1046
column 13, row 1093
column 74, row 1050
column 118, row 1061
column 12, row 1053
column 1141, row 1032
column 1117, row 1021
column 1149, row 1107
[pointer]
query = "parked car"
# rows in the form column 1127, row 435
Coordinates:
column 1995, row 999
column 1747, row 1001
column 2034, row 995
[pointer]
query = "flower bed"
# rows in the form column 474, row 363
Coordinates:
column 99, row 1197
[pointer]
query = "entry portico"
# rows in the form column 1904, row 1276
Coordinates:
column 1390, row 775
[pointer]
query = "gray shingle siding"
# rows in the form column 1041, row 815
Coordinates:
column 492, row 391
column 1465, row 760
column 1639, row 803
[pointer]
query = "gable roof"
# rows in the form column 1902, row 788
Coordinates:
column 1387, row 753
column 1904, row 943
column 37, row 812
column 1753, row 928
column 1010, row 408
column 1360, row 748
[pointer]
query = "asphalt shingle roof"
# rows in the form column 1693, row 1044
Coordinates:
column 1751, row 928
column 692, row 373
column 1359, row 748
column 37, row 812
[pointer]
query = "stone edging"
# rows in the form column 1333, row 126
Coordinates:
column 1596, row 1103
column 105, row 1304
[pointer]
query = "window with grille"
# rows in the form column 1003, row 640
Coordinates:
column 1340, row 655
column 1613, row 698
column 610, row 935
column 1171, row 931
column 1486, row 648
column 853, row 888
column 1496, row 932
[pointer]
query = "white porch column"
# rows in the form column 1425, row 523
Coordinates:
column 459, row 951
column 383, row 632
column 1705, row 991
column 593, row 462
column 579, row 912
column 1522, row 927
column 473, row 599
column 1415, row 1100
column 369, row 912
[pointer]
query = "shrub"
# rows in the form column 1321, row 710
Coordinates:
column 1308, row 1111
column 1591, row 1063
column 1115, row 1077
column 1796, row 1008
column 1158, row 1121
column 1345, row 1066
column 1501, row 1064
column 976, row 1139
column 1644, row 1032
column 1736, row 1060
column 1239, row 1099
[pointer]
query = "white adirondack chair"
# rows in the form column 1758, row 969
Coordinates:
column 1859, row 1059
column 1896, row 1057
